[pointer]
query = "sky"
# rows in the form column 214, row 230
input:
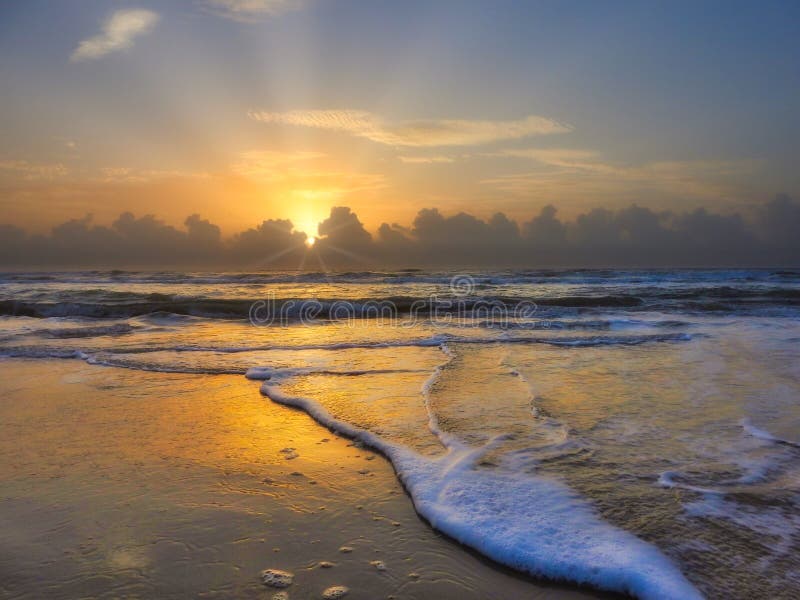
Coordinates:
column 243, row 111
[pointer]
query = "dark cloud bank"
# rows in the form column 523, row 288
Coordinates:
column 629, row 237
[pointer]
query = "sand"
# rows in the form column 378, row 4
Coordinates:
column 121, row 483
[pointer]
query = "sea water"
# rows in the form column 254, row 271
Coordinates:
column 636, row 431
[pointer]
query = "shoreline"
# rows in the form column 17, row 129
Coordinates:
column 122, row 482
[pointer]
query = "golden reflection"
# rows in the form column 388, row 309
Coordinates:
column 212, row 422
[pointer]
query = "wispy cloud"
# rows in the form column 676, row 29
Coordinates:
column 131, row 175
column 118, row 33
column 426, row 159
column 32, row 171
column 559, row 157
column 431, row 132
column 301, row 170
column 576, row 171
column 253, row 10
column 270, row 164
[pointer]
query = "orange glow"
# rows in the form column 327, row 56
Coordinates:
column 311, row 208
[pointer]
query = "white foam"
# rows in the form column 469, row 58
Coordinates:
column 762, row 434
column 433, row 341
column 766, row 520
column 756, row 432
column 106, row 360
column 667, row 480
column 532, row 524
column 779, row 525
column 281, row 373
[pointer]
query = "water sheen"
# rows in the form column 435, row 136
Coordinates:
column 654, row 407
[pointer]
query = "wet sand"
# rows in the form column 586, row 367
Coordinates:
column 120, row 483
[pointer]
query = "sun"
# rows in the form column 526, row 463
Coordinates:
column 309, row 228
column 307, row 222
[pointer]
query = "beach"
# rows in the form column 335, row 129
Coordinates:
column 120, row 483
column 627, row 431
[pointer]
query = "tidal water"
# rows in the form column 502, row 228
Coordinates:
column 631, row 430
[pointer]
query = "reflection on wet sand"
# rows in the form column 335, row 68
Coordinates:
column 122, row 483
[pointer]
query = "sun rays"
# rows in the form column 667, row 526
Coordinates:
column 315, row 247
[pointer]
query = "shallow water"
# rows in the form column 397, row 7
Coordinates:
column 638, row 431
column 106, row 493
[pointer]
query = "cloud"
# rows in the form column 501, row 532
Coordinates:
column 343, row 231
column 419, row 133
column 131, row 175
column 633, row 236
column 253, row 10
column 431, row 227
column 270, row 164
column 559, row 157
column 779, row 221
column 33, row 171
column 129, row 240
column 588, row 161
column 560, row 172
column 426, row 159
column 272, row 243
column 118, row 33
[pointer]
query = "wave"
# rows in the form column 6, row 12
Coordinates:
column 39, row 352
column 754, row 463
column 230, row 309
column 272, row 310
column 731, row 292
column 278, row 374
column 85, row 332
column 427, row 342
column 590, row 325
column 532, row 524
column 411, row 276
column 780, row 525
column 630, row 340
column 762, row 434
column 105, row 360
column 672, row 479
column 110, row 359
column 98, row 303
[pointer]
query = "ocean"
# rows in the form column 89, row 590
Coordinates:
column 631, row 430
